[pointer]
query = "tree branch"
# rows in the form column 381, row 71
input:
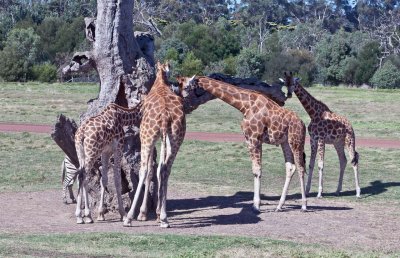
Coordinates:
column 81, row 62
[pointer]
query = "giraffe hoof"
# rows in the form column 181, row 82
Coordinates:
column 142, row 217
column 79, row 221
column 278, row 210
column 88, row 220
column 303, row 210
column 319, row 197
column 73, row 201
column 127, row 223
column 101, row 217
column 255, row 210
column 337, row 193
column 65, row 202
column 158, row 220
column 164, row 225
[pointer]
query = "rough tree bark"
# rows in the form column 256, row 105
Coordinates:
column 125, row 64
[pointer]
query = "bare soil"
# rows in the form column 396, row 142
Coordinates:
column 347, row 225
column 355, row 225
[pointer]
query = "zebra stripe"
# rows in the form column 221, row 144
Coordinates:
column 69, row 173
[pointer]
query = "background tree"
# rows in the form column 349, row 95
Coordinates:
column 19, row 54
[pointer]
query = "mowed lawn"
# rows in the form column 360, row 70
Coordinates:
column 31, row 162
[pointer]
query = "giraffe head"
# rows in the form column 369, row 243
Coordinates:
column 188, row 86
column 290, row 82
column 163, row 70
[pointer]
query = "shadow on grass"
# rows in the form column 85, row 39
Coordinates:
column 240, row 200
column 375, row 188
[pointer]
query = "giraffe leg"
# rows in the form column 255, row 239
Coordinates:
column 290, row 169
column 255, row 149
column 342, row 161
column 117, row 146
column 160, row 165
column 172, row 150
column 314, row 146
column 144, row 166
column 301, row 169
column 143, row 208
column 88, row 216
column 78, row 211
column 354, row 156
column 105, row 157
column 321, row 153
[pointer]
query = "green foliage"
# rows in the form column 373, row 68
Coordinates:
column 44, row 72
column 331, row 55
column 208, row 43
column 191, row 65
column 249, row 63
column 19, row 54
column 387, row 77
column 367, row 62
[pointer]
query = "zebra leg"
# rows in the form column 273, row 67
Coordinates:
column 71, row 194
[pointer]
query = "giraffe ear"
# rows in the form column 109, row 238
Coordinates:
column 192, row 78
column 282, row 80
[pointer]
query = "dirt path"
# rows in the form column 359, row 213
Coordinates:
column 201, row 136
column 349, row 225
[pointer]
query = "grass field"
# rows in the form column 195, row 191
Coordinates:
column 129, row 245
column 31, row 162
column 41, row 103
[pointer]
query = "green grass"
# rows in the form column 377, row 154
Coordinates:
column 29, row 162
column 150, row 245
column 41, row 103
column 33, row 163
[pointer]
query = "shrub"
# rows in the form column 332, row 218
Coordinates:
column 44, row 73
column 386, row 77
column 250, row 64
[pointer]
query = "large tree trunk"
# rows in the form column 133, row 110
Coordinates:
column 125, row 64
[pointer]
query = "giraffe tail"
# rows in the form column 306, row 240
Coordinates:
column 354, row 161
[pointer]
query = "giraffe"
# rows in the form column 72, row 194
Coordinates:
column 163, row 117
column 264, row 121
column 102, row 136
column 326, row 127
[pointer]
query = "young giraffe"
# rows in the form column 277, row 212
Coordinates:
column 325, row 127
column 163, row 116
column 264, row 121
column 102, row 135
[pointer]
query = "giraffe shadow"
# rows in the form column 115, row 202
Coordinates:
column 240, row 200
column 374, row 188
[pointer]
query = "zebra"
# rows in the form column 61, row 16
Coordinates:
column 69, row 173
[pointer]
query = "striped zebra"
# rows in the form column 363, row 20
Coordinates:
column 69, row 173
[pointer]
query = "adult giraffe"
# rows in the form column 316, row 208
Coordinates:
column 163, row 116
column 102, row 135
column 264, row 121
column 326, row 127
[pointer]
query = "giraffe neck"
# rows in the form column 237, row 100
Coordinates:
column 234, row 96
column 313, row 107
